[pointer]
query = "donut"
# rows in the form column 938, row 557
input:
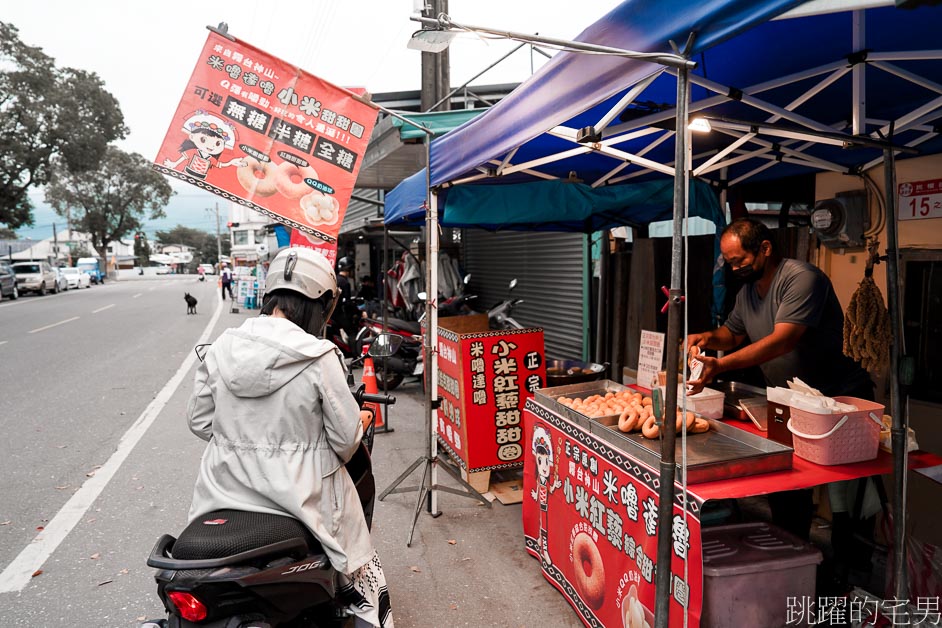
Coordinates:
column 628, row 420
column 289, row 179
column 589, row 570
column 647, row 401
column 257, row 177
column 650, row 429
column 320, row 209
column 700, row 426
column 680, row 420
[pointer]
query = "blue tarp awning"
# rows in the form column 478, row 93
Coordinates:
column 549, row 205
column 797, row 72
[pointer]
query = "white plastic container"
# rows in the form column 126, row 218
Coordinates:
column 707, row 403
column 751, row 571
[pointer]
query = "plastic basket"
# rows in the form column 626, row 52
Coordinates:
column 840, row 438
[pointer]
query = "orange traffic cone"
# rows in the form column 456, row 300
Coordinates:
column 369, row 381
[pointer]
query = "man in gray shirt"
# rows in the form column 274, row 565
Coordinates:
column 789, row 312
column 791, row 316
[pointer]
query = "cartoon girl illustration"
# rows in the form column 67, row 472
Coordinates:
column 543, row 452
column 207, row 137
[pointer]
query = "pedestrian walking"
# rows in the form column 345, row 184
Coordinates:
column 226, row 275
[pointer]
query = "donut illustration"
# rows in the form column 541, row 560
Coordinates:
column 589, row 570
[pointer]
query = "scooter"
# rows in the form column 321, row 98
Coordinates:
column 235, row 569
column 499, row 316
column 408, row 362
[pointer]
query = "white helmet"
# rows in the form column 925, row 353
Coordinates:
column 302, row 270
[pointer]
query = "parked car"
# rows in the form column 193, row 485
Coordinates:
column 8, row 281
column 62, row 284
column 77, row 278
column 35, row 277
column 209, row 269
column 163, row 269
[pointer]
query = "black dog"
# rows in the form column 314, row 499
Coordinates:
column 190, row 303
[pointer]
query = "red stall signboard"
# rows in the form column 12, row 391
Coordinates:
column 484, row 379
column 265, row 134
column 590, row 515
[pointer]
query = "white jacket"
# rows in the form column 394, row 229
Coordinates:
column 274, row 405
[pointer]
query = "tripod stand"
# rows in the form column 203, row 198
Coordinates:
column 429, row 486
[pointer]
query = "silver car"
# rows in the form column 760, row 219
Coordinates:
column 35, row 277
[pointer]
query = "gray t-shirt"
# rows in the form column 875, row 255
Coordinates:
column 800, row 293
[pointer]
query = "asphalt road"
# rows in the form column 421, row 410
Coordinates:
column 95, row 450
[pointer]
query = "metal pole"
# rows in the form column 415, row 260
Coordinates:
column 668, row 428
column 602, row 344
column 218, row 241
column 431, row 326
column 898, row 431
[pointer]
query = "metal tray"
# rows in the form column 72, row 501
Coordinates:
column 722, row 453
column 546, row 397
column 735, row 392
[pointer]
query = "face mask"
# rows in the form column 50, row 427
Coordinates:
column 747, row 273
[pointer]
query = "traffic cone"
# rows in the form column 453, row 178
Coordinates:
column 369, row 381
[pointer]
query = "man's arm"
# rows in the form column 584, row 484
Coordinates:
column 720, row 339
column 783, row 339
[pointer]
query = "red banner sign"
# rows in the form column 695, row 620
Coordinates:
column 267, row 135
column 484, row 379
column 590, row 515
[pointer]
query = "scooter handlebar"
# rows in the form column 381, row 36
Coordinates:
column 384, row 399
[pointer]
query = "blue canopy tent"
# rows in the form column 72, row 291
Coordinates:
column 787, row 86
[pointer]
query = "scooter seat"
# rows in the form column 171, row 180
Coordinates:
column 412, row 327
column 223, row 533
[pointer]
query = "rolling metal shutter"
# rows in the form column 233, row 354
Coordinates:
column 549, row 270
column 359, row 214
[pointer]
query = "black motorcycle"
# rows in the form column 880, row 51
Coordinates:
column 236, row 569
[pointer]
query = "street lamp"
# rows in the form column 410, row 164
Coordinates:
column 438, row 33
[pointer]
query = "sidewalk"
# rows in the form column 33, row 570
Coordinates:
column 485, row 578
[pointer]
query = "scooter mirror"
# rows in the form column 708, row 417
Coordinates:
column 513, row 283
column 385, row 345
column 467, row 279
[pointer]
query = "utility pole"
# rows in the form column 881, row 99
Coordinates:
column 436, row 76
column 218, row 240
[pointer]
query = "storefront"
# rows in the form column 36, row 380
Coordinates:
column 609, row 121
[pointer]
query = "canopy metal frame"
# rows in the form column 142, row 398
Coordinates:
column 763, row 140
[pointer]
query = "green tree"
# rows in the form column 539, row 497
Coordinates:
column 47, row 112
column 110, row 202
column 7, row 234
column 203, row 243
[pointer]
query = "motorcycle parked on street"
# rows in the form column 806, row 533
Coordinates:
column 235, row 569
column 499, row 316
column 408, row 362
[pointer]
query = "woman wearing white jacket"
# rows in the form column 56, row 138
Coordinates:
column 272, row 401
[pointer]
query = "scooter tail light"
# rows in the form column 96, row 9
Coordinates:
column 191, row 609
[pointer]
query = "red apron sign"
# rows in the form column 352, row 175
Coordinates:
column 590, row 515
column 484, row 379
column 267, row 135
column 920, row 199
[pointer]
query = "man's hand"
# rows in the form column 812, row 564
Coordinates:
column 699, row 341
column 711, row 368
column 366, row 418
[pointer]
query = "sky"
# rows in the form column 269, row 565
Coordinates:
column 146, row 51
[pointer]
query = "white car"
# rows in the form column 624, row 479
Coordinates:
column 77, row 278
column 61, row 282
column 209, row 269
column 35, row 277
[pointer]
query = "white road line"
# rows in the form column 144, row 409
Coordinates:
column 3, row 342
column 137, row 295
column 102, row 309
column 19, row 572
column 68, row 320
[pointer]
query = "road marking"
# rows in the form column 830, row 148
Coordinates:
column 3, row 342
column 19, row 572
column 68, row 320
column 137, row 295
column 102, row 309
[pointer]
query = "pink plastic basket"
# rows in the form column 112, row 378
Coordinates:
column 839, row 438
